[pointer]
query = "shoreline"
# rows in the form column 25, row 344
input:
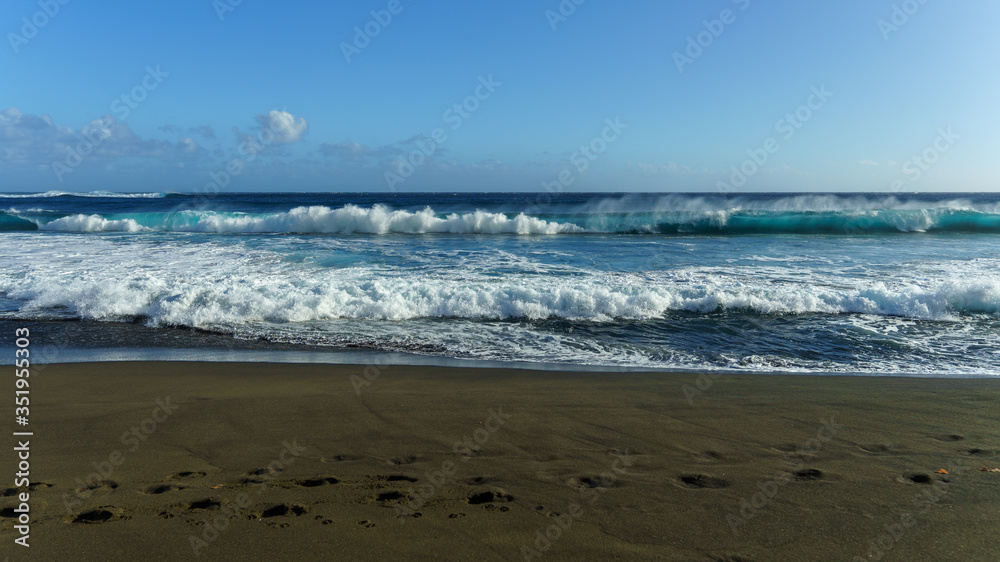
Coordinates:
column 306, row 460
column 400, row 359
column 94, row 340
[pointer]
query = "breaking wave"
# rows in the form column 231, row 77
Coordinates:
column 265, row 295
column 379, row 219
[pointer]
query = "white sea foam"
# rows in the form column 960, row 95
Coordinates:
column 235, row 286
column 393, row 294
column 93, row 223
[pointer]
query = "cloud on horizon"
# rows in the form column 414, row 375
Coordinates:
column 35, row 142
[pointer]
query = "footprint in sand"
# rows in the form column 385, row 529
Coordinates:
column 280, row 510
column 316, row 482
column 699, row 481
column 257, row 476
column 881, row 449
column 809, row 474
column 101, row 514
column 180, row 475
column 396, row 478
column 366, row 523
column 590, row 482
column 339, row 458
column 391, row 496
column 488, row 497
column 977, row 452
column 948, row 437
column 31, row 488
column 105, row 485
column 918, row 478
column 162, row 489
column 201, row 505
column 401, row 460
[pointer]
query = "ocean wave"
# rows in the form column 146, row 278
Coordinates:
column 805, row 203
column 16, row 211
column 268, row 295
column 349, row 219
column 100, row 194
column 12, row 222
column 379, row 219
column 93, row 223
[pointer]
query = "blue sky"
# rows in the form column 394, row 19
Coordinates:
column 264, row 98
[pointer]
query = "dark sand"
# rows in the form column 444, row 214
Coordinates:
column 611, row 466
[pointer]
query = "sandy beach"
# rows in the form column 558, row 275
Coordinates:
column 228, row 461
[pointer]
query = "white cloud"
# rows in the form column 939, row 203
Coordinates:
column 33, row 139
column 34, row 143
column 346, row 150
column 286, row 128
column 868, row 163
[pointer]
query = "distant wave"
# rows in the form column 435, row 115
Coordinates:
column 102, row 194
column 318, row 219
column 379, row 219
column 813, row 203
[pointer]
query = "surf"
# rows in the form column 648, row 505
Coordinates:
column 383, row 220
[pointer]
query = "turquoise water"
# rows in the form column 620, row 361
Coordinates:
column 866, row 283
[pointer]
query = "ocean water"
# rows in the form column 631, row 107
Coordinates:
column 813, row 283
